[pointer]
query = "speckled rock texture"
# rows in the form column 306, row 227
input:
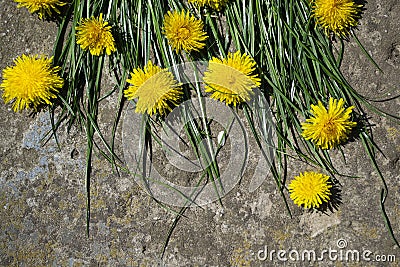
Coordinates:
column 43, row 194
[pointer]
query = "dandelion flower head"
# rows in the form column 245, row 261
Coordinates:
column 214, row 4
column 95, row 34
column 231, row 79
column 184, row 31
column 328, row 128
column 42, row 7
column 155, row 88
column 336, row 16
column 310, row 189
column 31, row 82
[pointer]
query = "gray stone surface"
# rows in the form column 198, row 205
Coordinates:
column 42, row 189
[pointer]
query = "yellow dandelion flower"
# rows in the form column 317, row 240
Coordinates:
column 230, row 79
column 184, row 31
column 328, row 128
column 155, row 88
column 214, row 4
column 199, row 3
column 31, row 82
column 42, row 7
column 94, row 34
column 310, row 189
column 336, row 16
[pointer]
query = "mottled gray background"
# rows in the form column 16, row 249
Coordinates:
column 42, row 189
